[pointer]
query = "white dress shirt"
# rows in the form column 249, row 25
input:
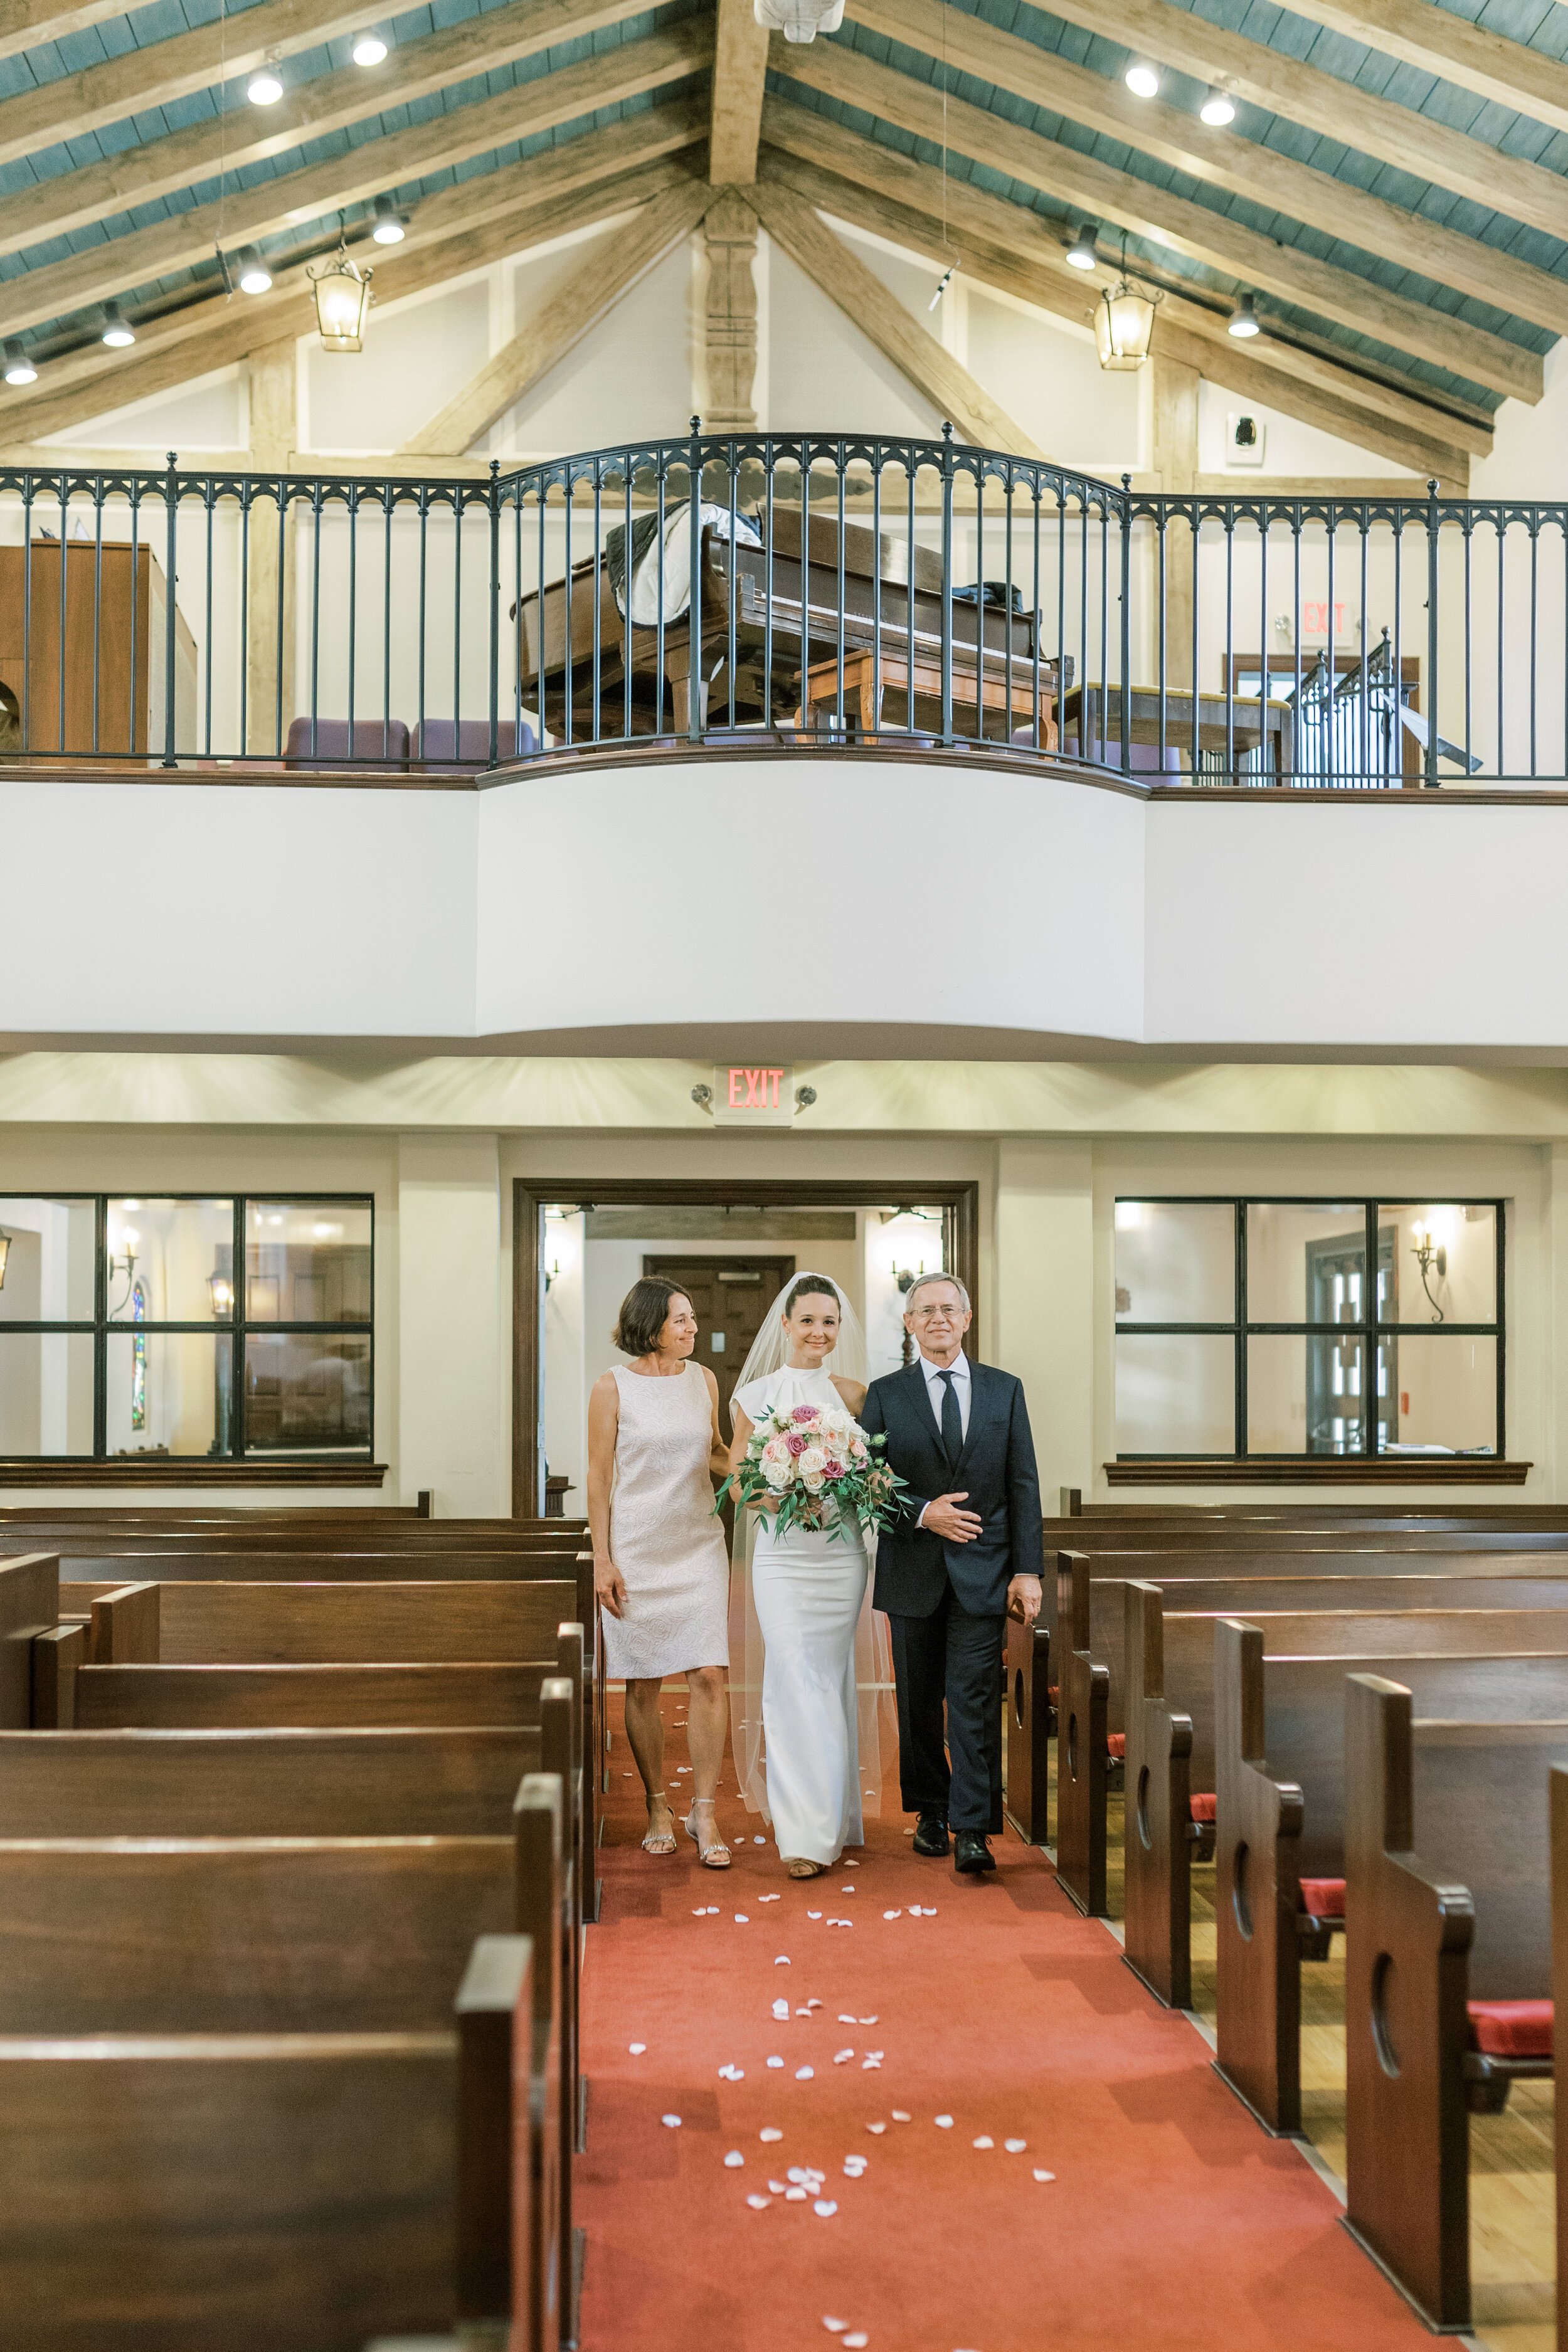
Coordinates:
column 936, row 1391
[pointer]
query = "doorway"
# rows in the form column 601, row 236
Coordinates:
column 729, row 1297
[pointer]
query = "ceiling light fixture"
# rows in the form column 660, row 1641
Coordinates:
column 369, row 50
column 264, row 87
column 255, row 278
column 1244, row 319
column 19, row 369
column 1124, row 322
column 118, row 331
column 1218, row 107
column 799, row 20
column 343, row 297
column 390, row 227
column 1081, row 253
column 1142, row 78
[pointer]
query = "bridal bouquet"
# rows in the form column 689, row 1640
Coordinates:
column 811, row 1466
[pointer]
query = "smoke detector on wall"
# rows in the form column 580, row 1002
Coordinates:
column 800, row 20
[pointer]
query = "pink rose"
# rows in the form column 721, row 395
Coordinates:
column 833, row 1470
column 803, row 1413
column 796, row 1446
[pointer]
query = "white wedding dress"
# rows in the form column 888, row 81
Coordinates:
column 809, row 1590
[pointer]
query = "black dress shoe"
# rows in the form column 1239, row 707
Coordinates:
column 971, row 1851
column 930, row 1834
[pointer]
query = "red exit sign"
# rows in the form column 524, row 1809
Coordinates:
column 754, row 1094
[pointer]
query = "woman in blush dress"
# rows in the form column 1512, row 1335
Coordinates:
column 826, row 1671
column 660, row 1569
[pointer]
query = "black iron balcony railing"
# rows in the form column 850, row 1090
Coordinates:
column 776, row 588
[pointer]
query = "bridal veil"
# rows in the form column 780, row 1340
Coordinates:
column 878, row 1710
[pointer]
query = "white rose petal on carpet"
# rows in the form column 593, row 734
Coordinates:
column 858, row 2341
column 781, row 2008
column 944, row 2123
column 871, row 2065
column 842, row 2057
column 636, row 2048
column 814, row 1915
column 794, row 2197
column 804, row 2073
column 756, row 1841
column 712, row 1910
column 775, row 2062
column 671, row 2123
column 815, row 2002
column 782, row 1961
column 892, row 1915
column 777, row 2187
column 984, row 2140
column 1042, row 2176
column 901, row 2115
column 826, row 2207
column 1014, row 2147
column 701, row 1911
column 845, row 2018
column 804, row 2011
column 742, row 1919
column 864, row 2021
column 836, row 2327
column 877, row 2128
column 770, row 2132
column 734, row 2160
column 758, row 2204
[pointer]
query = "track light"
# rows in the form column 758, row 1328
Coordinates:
column 1142, row 78
column 1081, row 253
column 389, row 225
column 1218, row 107
column 117, row 331
column 369, row 50
column 1244, row 319
column 264, row 87
column 19, row 368
column 255, row 278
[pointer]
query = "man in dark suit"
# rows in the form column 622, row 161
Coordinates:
column 948, row 1577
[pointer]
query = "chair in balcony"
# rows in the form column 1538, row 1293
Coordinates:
column 462, row 747
column 334, row 743
column 1143, row 758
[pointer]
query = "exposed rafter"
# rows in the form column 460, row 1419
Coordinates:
column 1436, row 41
column 139, row 174
column 566, row 188
column 164, row 70
column 1009, row 249
column 739, row 69
column 1321, row 102
column 1225, row 159
column 610, row 271
column 843, row 276
column 111, row 268
column 1150, row 211
column 28, row 24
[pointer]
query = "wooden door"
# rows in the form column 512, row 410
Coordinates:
column 729, row 1296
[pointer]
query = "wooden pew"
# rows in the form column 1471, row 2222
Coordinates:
column 1279, row 1747
column 1447, row 1905
column 30, row 1605
column 1172, row 1797
column 205, row 1698
column 267, row 2191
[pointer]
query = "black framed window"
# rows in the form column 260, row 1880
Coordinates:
column 185, row 1326
column 1273, row 1329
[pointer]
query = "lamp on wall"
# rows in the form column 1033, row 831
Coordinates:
column 4, row 1254
column 222, row 1290
column 342, row 297
column 1124, row 322
column 128, row 1237
column 1428, row 1253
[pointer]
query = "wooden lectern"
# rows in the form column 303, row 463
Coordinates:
column 107, row 695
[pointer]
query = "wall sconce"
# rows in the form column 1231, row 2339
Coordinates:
column 553, row 1273
column 703, row 1097
column 4, row 1254
column 222, row 1290
column 804, row 1097
column 1124, row 322
column 129, row 1235
column 1428, row 1253
column 343, row 297
column 906, row 1276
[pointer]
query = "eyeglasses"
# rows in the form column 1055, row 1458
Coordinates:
column 944, row 1307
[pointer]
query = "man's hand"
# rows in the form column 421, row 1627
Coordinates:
column 611, row 1587
column 1024, row 1600
column 944, row 1518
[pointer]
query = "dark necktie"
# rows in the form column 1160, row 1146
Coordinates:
column 952, row 1419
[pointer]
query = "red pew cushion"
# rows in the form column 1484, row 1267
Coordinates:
column 1512, row 2029
column 1116, row 1741
column 1324, row 1898
column 1203, row 1808
column 1054, row 1694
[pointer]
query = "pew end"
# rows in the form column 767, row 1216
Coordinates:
column 58, row 1653
column 1260, row 1941
column 1157, row 1834
column 1082, row 1759
column 1028, row 1805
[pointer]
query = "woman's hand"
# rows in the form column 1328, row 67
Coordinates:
column 610, row 1586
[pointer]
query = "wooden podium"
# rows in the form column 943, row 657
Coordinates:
column 113, row 666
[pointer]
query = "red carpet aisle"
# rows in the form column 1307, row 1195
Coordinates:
column 1172, row 2221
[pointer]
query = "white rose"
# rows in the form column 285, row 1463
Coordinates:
column 813, row 1460
column 777, row 1472
column 811, row 1480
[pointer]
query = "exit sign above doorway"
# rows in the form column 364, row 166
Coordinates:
column 754, row 1094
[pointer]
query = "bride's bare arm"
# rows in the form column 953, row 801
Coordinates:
column 852, row 1391
column 742, row 1438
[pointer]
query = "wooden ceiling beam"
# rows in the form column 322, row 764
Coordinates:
column 139, row 174
column 1010, row 249
column 839, row 273
column 120, row 87
column 1426, row 147
column 1149, row 211
column 1436, row 41
column 740, row 70
column 552, row 195
column 28, row 23
column 298, row 198
column 1228, row 160
column 610, row 269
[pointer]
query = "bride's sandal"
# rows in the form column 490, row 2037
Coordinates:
column 715, row 1854
column 798, row 1867
column 659, row 1841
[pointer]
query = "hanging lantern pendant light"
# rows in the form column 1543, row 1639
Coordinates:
column 343, row 297
column 1124, row 322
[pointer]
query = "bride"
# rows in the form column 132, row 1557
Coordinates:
column 807, row 1598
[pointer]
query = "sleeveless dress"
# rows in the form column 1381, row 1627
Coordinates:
column 808, row 1588
column 664, row 1538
